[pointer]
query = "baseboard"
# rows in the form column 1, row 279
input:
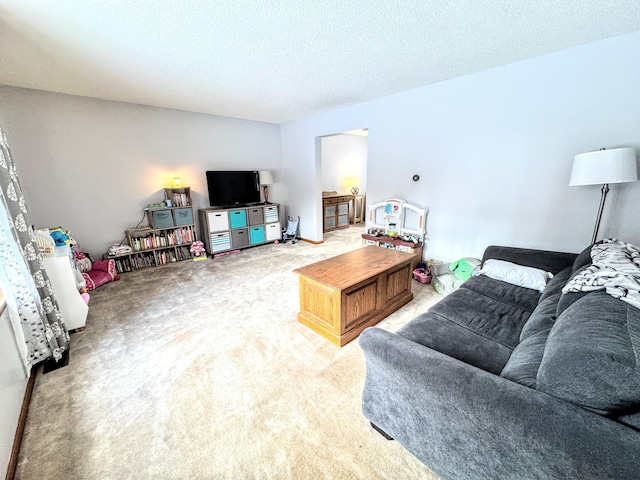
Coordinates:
column 312, row 241
column 22, row 420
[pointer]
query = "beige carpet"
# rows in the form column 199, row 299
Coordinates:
column 200, row 370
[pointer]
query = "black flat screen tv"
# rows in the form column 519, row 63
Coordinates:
column 231, row 188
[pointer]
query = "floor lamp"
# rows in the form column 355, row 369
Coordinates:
column 617, row 165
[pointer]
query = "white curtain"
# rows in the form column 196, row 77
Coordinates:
column 11, row 268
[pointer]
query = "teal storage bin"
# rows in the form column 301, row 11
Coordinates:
column 256, row 235
column 238, row 218
column 162, row 218
column 183, row 216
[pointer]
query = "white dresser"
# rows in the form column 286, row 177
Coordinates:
column 63, row 279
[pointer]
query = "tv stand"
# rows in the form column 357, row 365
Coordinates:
column 237, row 227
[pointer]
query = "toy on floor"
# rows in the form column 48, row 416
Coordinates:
column 448, row 277
column 81, row 285
column 96, row 273
column 198, row 251
column 292, row 232
column 60, row 237
column 89, row 275
column 422, row 273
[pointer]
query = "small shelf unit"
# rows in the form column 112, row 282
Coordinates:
column 166, row 239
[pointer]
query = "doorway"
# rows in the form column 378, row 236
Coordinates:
column 343, row 172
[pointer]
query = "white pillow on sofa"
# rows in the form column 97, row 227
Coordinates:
column 515, row 274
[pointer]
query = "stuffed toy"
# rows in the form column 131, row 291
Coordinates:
column 198, row 251
column 448, row 277
column 60, row 237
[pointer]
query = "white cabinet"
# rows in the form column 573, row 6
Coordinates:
column 63, row 280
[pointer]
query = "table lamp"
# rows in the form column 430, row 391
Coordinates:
column 266, row 179
column 353, row 184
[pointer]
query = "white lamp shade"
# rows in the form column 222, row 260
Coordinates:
column 617, row 165
column 265, row 177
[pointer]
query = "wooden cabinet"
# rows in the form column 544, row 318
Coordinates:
column 166, row 239
column 235, row 228
column 341, row 296
column 335, row 211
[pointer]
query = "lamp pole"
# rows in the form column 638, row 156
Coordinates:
column 604, row 190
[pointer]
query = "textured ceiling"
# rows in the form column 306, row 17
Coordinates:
column 276, row 61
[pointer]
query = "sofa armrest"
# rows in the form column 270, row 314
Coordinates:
column 546, row 260
column 465, row 423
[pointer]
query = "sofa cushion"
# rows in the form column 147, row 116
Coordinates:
column 520, row 298
column 544, row 315
column 523, row 364
column 582, row 260
column 522, row 367
column 542, row 318
column 632, row 419
column 568, row 298
column 556, row 284
column 491, row 308
column 592, row 355
column 479, row 323
column 441, row 334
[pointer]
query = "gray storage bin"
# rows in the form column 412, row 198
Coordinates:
column 162, row 218
column 183, row 216
column 239, row 238
column 256, row 215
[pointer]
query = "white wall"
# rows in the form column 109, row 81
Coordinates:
column 343, row 156
column 91, row 166
column 493, row 150
column 13, row 383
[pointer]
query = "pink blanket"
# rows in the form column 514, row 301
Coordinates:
column 102, row 271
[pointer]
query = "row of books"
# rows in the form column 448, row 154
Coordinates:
column 184, row 253
column 169, row 238
column 180, row 200
column 168, row 256
column 133, row 262
column 142, row 260
column 165, row 256
column 123, row 264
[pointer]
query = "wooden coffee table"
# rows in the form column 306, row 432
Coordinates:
column 341, row 296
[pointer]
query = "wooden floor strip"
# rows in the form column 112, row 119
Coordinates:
column 22, row 420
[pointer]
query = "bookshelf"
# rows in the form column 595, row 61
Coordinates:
column 180, row 197
column 167, row 238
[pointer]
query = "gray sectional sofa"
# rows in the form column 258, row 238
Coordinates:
column 498, row 381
